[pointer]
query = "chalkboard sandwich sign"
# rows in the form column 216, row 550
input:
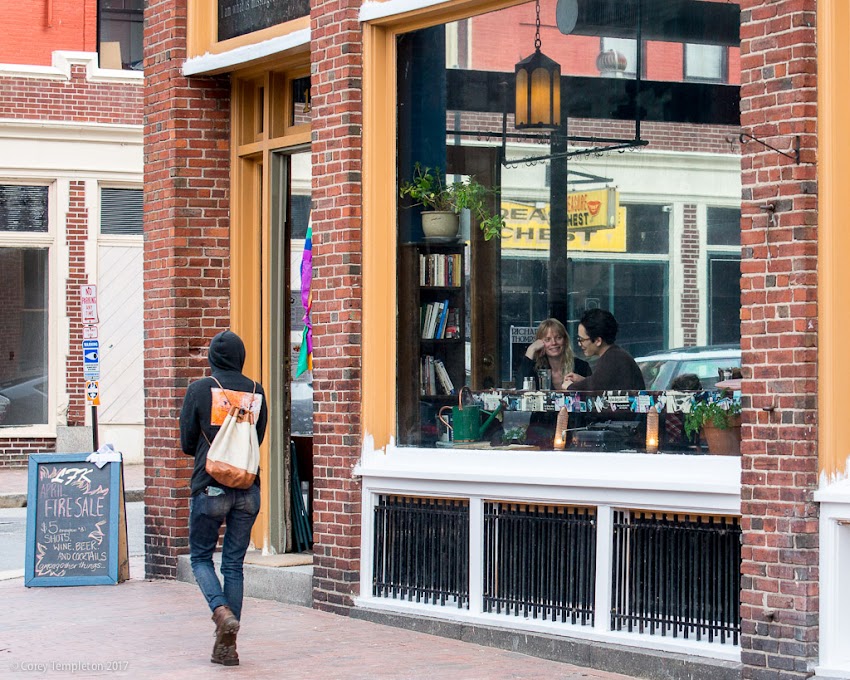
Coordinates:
column 76, row 521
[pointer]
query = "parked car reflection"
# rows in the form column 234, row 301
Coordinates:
column 302, row 408
column 661, row 368
column 23, row 401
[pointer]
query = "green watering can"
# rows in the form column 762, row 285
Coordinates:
column 466, row 420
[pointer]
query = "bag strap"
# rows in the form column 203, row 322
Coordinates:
column 253, row 392
column 253, row 382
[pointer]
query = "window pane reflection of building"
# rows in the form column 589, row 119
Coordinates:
column 23, row 341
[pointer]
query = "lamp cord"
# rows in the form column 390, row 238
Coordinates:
column 537, row 42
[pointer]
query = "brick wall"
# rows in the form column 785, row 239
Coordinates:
column 779, row 342
column 14, row 453
column 337, row 290
column 690, row 284
column 186, row 263
column 683, row 137
column 76, row 100
column 76, row 223
column 38, row 28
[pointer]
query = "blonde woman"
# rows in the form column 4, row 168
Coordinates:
column 552, row 349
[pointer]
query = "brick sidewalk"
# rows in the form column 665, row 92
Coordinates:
column 158, row 629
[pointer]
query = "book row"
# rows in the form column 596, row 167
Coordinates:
column 440, row 269
column 438, row 321
column 434, row 378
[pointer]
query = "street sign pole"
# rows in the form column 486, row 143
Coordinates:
column 94, row 436
column 91, row 354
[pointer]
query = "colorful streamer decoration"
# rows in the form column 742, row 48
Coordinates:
column 305, row 356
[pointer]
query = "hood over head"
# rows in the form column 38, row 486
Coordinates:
column 227, row 352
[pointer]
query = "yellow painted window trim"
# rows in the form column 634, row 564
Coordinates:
column 833, row 237
column 250, row 277
column 379, row 205
column 202, row 30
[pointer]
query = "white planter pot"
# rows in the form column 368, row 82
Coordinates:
column 440, row 224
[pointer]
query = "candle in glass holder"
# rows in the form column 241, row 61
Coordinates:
column 561, row 427
column 652, row 431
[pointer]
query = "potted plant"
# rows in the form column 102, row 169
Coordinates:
column 720, row 423
column 514, row 435
column 443, row 203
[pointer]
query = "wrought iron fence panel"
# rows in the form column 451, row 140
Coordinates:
column 677, row 575
column 421, row 550
column 540, row 561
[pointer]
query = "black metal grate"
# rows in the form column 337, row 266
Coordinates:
column 540, row 561
column 677, row 575
column 422, row 550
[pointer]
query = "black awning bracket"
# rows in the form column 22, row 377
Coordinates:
column 794, row 156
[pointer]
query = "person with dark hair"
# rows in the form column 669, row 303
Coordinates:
column 615, row 368
column 213, row 504
column 687, row 382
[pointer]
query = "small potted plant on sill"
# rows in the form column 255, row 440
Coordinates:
column 513, row 435
column 443, row 203
column 720, row 424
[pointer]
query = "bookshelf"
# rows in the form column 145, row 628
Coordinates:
column 432, row 335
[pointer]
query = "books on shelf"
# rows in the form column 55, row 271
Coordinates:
column 440, row 270
column 435, row 319
column 452, row 329
column 434, row 379
column 444, row 378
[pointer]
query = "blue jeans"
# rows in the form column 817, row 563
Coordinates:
column 238, row 508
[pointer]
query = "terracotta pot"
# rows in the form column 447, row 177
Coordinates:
column 724, row 441
column 440, row 224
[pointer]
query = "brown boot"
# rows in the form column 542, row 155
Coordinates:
column 226, row 627
column 225, row 654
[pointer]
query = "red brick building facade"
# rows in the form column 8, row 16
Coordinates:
column 190, row 169
column 70, row 127
column 779, row 340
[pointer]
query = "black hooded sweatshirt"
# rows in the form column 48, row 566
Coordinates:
column 226, row 357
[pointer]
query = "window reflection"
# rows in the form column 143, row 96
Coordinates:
column 651, row 234
column 301, row 385
column 121, row 27
column 23, row 342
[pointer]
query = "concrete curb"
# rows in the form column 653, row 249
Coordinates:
column 612, row 658
column 19, row 500
column 290, row 585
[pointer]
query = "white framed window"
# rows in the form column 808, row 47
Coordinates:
column 705, row 62
column 25, row 242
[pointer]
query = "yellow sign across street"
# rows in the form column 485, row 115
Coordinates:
column 595, row 223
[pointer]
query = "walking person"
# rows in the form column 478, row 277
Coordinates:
column 204, row 408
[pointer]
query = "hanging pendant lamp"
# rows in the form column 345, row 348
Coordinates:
column 538, row 89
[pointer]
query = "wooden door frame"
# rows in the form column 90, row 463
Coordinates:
column 485, row 299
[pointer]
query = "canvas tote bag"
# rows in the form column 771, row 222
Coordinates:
column 234, row 455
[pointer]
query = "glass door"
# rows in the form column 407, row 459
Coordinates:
column 289, row 389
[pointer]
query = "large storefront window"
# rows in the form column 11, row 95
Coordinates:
column 23, row 369
column 628, row 203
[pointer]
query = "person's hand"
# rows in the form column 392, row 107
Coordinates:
column 569, row 379
column 534, row 349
